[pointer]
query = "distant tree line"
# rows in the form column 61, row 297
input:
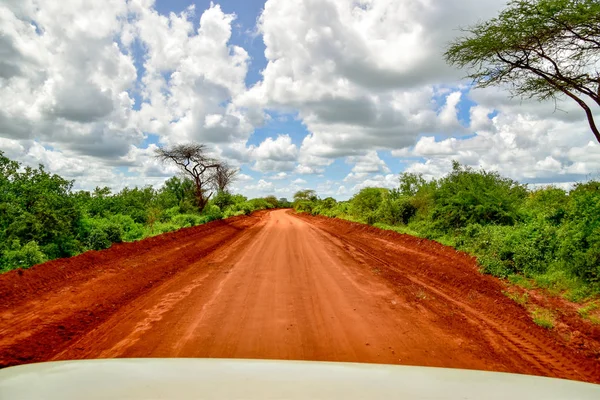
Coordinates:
column 549, row 235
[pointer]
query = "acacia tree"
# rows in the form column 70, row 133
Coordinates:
column 193, row 160
column 539, row 48
column 225, row 175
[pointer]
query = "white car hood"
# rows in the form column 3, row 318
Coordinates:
column 256, row 379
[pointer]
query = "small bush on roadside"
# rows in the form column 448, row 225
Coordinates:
column 97, row 239
column 186, row 220
column 520, row 299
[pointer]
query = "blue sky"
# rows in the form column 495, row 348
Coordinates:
column 332, row 95
column 245, row 35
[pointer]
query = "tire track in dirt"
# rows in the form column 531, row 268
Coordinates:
column 546, row 356
column 45, row 309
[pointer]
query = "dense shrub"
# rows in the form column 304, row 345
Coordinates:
column 42, row 211
column 186, row 220
column 23, row 256
column 546, row 234
column 466, row 197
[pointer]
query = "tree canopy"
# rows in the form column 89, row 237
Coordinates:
column 539, row 49
column 206, row 172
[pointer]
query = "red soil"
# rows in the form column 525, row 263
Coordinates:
column 275, row 285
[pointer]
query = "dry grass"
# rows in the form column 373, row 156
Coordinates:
column 543, row 317
column 520, row 299
column 585, row 313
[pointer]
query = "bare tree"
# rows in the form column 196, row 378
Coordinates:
column 225, row 175
column 193, row 160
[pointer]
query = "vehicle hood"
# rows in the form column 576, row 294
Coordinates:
column 256, row 379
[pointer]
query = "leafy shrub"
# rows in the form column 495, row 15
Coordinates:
column 98, row 239
column 162, row 227
column 366, row 203
column 23, row 257
column 213, row 212
column 579, row 237
column 395, row 211
column 466, row 196
column 223, row 199
column 184, row 220
column 114, row 232
column 130, row 230
column 232, row 213
column 100, row 233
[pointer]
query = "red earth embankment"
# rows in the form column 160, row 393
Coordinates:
column 276, row 285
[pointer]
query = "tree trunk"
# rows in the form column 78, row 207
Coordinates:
column 201, row 199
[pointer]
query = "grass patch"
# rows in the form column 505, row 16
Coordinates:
column 559, row 282
column 520, row 280
column 543, row 317
column 520, row 299
column 584, row 312
column 398, row 228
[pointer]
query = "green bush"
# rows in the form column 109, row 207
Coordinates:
column 466, row 196
column 395, row 211
column 365, row 204
column 129, row 229
column 23, row 256
column 213, row 212
column 232, row 213
column 98, row 239
column 546, row 234
column 185, row 220
column 100, row 233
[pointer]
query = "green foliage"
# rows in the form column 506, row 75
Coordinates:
column 272, row 201
column 223, row 200
column 539, row 48
column 41, row 210
column 411, row 183
column 365, row 204
column 212, row 212
column 546, row 236
column 99, row 233
column 395, row 211
column 543, row 318
column 22, row 257
column 305, row 200
column 186, row 220
column 520, row 299
column 467, row 197
column 580, row 234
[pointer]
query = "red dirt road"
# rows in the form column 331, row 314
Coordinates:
column 276, row 285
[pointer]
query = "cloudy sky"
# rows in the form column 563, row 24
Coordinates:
column 333, row 95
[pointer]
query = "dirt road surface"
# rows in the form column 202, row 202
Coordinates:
column 280, row 286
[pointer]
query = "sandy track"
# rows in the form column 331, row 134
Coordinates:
column 275, row 285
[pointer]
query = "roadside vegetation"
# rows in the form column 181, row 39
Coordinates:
column 546, row 238
column 43, row 218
